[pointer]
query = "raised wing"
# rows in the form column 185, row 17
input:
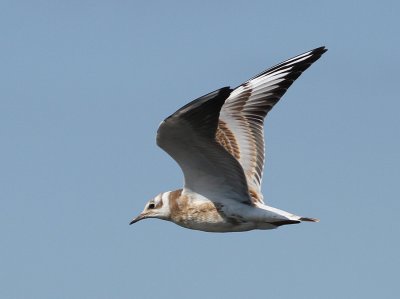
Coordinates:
column 188, row 136
column 240, row 128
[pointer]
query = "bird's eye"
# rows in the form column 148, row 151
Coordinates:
column 151, row 206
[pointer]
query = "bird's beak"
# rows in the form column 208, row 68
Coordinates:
column 138, row 218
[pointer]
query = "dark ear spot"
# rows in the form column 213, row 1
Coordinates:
column 159, row 204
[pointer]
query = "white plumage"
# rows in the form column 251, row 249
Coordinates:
column 218, row 141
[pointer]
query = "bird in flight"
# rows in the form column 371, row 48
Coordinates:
column 218, row 142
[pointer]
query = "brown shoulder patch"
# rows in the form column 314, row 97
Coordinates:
column 174, row 195
column 175, row 202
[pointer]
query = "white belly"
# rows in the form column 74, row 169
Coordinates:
column 224, row 227
column 234, row 219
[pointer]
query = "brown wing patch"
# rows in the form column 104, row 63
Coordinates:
column 227, row 139
column 255, row 196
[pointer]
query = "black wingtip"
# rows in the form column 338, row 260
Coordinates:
column 319, row 51
column 298, row 67
column 315, row 54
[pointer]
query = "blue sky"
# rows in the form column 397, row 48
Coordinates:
column 84, row 85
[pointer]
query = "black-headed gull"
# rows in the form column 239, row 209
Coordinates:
column 218, row 141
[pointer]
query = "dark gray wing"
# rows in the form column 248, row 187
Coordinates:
column 188, row 136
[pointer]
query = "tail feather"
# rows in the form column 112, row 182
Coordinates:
column 309, row 219
column 284, row 222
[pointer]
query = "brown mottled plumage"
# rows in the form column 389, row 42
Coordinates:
column 225, row 137
column 218, row 141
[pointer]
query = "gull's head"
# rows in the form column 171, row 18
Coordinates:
column 158, row 207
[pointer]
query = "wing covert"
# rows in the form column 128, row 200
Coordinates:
column 188, row 136
column 241, row 124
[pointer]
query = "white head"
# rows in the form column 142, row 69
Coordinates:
column 158, row 207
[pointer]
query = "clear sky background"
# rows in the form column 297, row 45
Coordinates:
column 83, row 87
